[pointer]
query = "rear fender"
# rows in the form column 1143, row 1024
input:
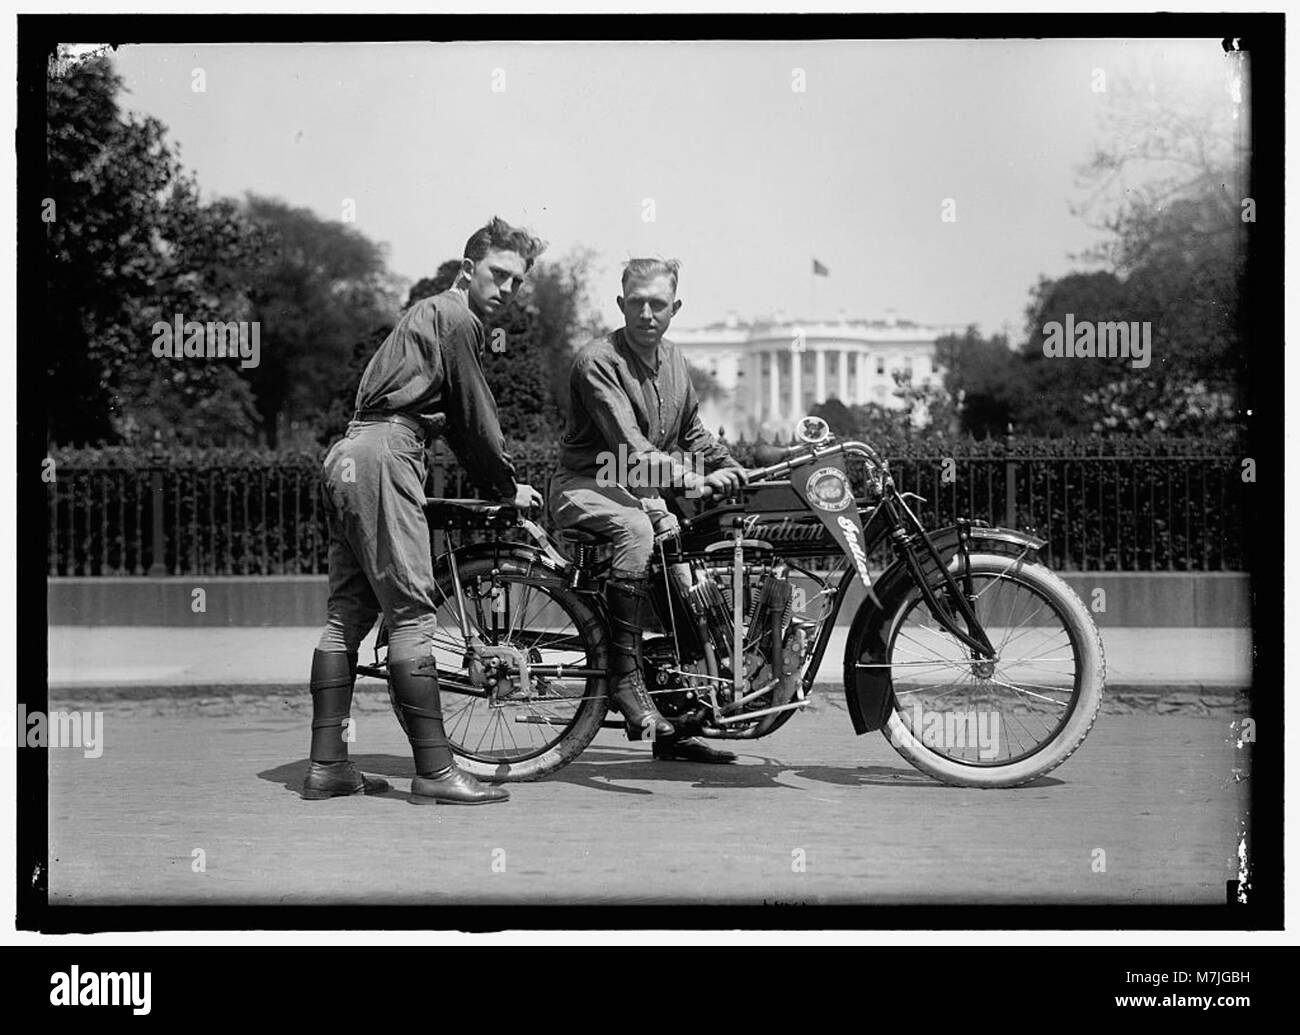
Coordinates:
column 868, row 691
column 546, row 561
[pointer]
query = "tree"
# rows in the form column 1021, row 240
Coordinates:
column 1181, row 282
column 1168, row 185
column 984, row 384
column 1049, row 399
column 319, row 288
column 566, row 318
column 871, row 422
column 128, row 244
column 335, row 417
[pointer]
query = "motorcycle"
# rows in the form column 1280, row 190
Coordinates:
column 978, row 663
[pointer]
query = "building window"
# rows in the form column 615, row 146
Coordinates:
column 880, row 366
column 851, row 359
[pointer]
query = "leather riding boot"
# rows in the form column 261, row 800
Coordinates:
column 330, row 774
column 414, row 689
column 333, row 676
column 627, row 691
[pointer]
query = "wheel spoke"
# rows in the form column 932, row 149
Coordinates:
column 1030, row 693
column 935, row 672
column 512, row 608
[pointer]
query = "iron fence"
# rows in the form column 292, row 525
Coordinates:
column 1097, row 513
column 122, row 512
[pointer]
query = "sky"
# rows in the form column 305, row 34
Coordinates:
column 746, row 178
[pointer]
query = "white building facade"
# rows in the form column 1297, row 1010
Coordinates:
column 772, row 373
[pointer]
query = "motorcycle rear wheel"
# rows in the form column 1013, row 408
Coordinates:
column 527, row 734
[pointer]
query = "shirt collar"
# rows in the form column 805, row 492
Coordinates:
column 632, row 351
column 463, row 298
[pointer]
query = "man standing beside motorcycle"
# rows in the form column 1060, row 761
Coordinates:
column 632, row 404
column 426, row 377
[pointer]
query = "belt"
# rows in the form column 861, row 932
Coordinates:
column 376, row 416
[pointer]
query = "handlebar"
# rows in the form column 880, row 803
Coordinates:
column 816, row 453
column 797, row 456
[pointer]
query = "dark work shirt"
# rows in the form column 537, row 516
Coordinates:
column 618, row 399
column 432, row 364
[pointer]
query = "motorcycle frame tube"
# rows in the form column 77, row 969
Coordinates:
column 903, row 543
column 738, row 617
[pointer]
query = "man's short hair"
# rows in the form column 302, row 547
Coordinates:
column 645, row 269
column 500, row 235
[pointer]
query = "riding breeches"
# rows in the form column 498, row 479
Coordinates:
column 372, row 485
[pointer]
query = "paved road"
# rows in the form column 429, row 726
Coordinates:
column 1159, row 794
column 172, row 656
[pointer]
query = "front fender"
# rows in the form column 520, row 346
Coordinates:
column 868, row 691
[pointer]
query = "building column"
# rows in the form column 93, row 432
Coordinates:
column 844, row 375
column 774, row 386
column 864, row 358
column 796, row 385
column 821, row 375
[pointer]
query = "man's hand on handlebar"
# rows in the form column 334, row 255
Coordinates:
column 725, row 481
column 526, row 497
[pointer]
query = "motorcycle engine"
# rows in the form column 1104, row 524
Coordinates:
column 671, row 692
column 776, row 641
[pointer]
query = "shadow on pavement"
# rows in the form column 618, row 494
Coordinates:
column 607, row 769
column 602, row 768
column 291, row 774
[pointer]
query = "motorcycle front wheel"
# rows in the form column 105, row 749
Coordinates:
column 1000, row 723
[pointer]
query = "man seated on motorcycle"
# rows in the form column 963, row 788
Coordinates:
column 632, row 403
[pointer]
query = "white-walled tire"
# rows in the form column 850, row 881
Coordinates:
column 925, row 723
